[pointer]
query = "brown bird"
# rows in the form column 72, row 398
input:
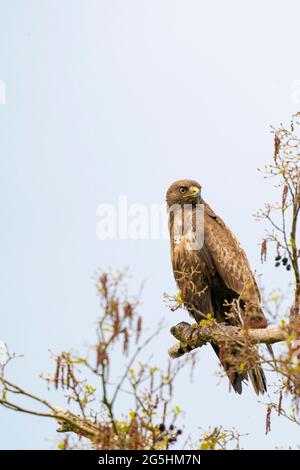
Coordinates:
column 213, row 274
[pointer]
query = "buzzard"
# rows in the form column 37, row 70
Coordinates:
column 214, row 276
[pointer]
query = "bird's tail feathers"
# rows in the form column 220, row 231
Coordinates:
column 236, row 379
column 258, row 379
column 271, row 352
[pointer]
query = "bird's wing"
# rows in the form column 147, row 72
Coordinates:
column 229, row 258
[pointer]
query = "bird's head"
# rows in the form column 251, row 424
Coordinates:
column 183, row 192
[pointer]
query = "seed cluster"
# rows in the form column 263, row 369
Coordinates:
column 282, row 260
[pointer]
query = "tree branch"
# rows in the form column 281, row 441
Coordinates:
column 190, row 338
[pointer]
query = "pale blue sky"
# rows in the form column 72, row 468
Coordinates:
column 109, row 98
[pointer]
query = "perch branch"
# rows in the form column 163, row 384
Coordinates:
column 190, row 338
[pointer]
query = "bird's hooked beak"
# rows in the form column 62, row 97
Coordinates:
column 194, row 191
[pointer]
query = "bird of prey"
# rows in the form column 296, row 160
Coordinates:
column 214, row 275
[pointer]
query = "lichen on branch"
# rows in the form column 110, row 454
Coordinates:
column 190, row 337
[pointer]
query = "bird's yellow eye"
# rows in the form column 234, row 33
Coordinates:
column 182, row 189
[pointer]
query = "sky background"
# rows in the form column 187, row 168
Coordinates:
column 110, row 98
